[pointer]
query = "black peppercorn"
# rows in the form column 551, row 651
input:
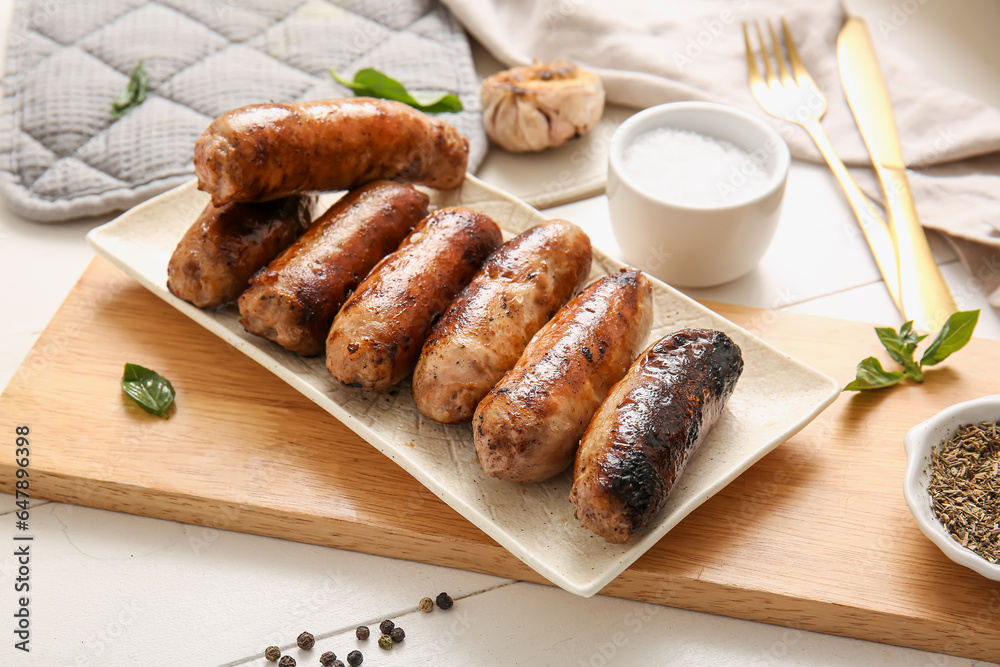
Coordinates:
column 287, row 661
column 397, row 634
column 385, row 642
column 305, row 641
column 354, row 658
column 328, row 659
column 386, row 627
column 338, row 663
column 444, row 601
column 426, row 605
column 362, row 632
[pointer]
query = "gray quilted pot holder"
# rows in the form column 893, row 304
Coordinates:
column 63, row 156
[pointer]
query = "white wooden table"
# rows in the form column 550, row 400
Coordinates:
column 115, row 589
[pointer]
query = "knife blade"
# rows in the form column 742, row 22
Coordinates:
column 924, row 295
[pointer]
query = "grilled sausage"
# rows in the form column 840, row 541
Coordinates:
column 377, row 335
column 219, row 253
column 264, row 151
column 528, row 426
column 293, row 301
column 486, row 328
column 646, row 431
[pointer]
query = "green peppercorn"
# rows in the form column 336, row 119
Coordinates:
column 362, row 632
column 385, row 642
column 426, row 605
column 444, row 601
column 397, row 634
column 386, row 627
column 328, row 659
column 286, row 661
column 305, row 641
column 354, row 658
column 272, row 653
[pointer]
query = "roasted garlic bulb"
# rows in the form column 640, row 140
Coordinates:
column 541, row 106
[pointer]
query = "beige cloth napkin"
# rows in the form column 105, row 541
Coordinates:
column 649, row 53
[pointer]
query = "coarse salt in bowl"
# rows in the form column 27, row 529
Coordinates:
column 695, row 191
column 920, row 442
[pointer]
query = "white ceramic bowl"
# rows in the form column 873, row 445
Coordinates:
column 691, row 245
column 919, row 442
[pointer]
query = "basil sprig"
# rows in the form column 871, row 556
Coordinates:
column 901, row 345
column 372, row 83
column 134, row 93
column 149, row 389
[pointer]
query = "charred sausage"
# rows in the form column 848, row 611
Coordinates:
column 377, row 335
column 484, row 331
column 219, row 253
column 644, row 434
column 264, row 151
column 528, row 426
column 293, row 301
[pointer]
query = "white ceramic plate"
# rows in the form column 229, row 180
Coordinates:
column 775, row 398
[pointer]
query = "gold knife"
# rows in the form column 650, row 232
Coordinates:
column 923, row 293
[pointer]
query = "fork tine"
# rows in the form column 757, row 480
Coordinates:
column 786, row 78
column 801, row 73
column 768, row 70
column 752, row 71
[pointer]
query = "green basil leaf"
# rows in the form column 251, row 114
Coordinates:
column 134, row 93
column 900, row 346
column 955, row 333
column 149, row 389
column 436, row 102
column 372, row 83
column 871, row 375
column 381, row 84
column 906, row 332
column 355, row 87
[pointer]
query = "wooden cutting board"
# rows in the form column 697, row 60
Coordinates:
column 815, row 536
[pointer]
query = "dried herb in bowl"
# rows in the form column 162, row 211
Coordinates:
column 964, row 486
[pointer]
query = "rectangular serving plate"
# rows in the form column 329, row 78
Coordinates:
column 774, row 399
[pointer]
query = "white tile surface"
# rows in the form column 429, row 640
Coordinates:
column 871, row 303
column 117, row 589
column 6, row 503
column 524, row 624
column 8, row 506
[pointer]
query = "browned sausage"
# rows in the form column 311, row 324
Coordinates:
column 215, row 258
column 293, row 301
column 528, row 426
column 484, row 331
column 377, row 335
column 263, row 151
column 652, row 422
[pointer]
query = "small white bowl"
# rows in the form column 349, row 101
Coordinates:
column 919, row 442
column 692, row 245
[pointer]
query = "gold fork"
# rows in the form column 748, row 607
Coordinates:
column 795, row 97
